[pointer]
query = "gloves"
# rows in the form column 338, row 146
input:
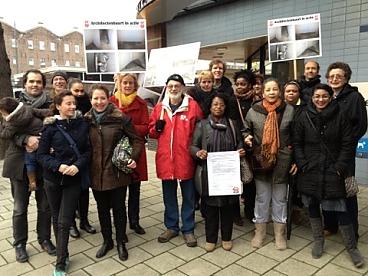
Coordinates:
column 160, row 125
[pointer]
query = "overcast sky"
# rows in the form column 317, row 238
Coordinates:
column 62, row 17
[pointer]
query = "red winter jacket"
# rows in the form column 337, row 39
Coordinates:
column 138, row 112
column 173, row 159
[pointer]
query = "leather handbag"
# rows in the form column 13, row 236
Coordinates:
column 259, row 163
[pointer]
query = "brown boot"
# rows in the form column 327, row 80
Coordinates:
column 279, row 230
column 259, row 236
column 32, row 179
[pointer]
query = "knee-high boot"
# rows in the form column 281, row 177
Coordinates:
column 348, row 235
column 319, row 240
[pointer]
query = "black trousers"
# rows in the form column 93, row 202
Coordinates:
column 63, row 202
column 133, row 202
column 343, row 218
column 219, row 215
column 20, row 193
column 106, row 200
column 249, row 195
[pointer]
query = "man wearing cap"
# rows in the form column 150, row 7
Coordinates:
column 34, row 82
column 172, row 123
column 58, row 80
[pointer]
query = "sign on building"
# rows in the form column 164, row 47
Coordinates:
column 296, row 37
column 163, row 62
column 115, row 46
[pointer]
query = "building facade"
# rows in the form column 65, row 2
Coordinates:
column 243, row 24
column 40, row 48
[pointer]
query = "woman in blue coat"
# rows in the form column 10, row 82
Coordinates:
column 63, row 166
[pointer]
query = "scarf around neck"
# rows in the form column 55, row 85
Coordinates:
column 247, row 95
column 270, row 137
column 124, row 100
column 35, row 102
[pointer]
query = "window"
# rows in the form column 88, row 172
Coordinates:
column 53, row 62
column 14, row 43
column 42, row 62
column 66, row 48
column 76, row 48
column 67, row 63
column 14, row 61
column 30, row 44
column 31, row 61
column 77, row 64
column 42, row 45
column 52, row 46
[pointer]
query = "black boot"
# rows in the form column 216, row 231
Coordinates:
column 319, row 240
column 21, row 255
column 348, row 235
column 73, row 231
column 122, row 251
column 84, row 225
column 105, row 247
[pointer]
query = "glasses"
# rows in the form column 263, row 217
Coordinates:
column 177, row 86
column 337, row 77
column 321, row 97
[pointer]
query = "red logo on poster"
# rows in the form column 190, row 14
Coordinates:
column 235, row 190
column 142, row 25
column 316, row 17
column 86, row 23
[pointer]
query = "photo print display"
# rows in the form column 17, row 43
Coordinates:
column 115, row 46
column 294, row 38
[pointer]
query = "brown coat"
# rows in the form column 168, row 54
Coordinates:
column 103, row 138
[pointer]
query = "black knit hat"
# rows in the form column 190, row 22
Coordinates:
column 176, row 77
column 60, row 74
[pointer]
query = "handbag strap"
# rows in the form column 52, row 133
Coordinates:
column 240, row 110
column 322, row 141
column 70, row 140
column 233, row 130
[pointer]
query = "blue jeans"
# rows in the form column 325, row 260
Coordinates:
column 171, row 218
column 30, row 161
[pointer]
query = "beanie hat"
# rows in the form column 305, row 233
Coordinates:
column 176, row 77
column 60, row 74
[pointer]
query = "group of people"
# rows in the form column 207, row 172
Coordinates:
column 61, row 144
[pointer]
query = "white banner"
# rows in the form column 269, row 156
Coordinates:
column 296, row 37
column 164, row 62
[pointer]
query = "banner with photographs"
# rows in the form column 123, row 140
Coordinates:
column 163, row 62
column 115, row 46
column 294, row 37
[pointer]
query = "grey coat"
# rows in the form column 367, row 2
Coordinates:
column 253, row 125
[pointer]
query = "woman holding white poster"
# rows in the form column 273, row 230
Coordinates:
column 216, row 133
column 267, row 133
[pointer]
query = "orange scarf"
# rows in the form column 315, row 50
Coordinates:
column 271, row 137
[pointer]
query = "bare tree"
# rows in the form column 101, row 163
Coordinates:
column 5, row 82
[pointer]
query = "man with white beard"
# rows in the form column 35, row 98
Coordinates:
column 172, row 123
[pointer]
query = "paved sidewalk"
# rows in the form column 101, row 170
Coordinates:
column 148, row 257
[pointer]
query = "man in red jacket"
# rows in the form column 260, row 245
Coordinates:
column 172, row 123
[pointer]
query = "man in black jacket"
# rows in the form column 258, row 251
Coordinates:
column 33, row 94
column 309, row 80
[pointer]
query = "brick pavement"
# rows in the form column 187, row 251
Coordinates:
column 148, row 257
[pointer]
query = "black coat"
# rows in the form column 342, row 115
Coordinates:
column 62, row 151
column 225, row 87
column 318, row 170
column 83, row 103
column 352, row 105
column 202, row 98
column 245, row 105
column 307, row 87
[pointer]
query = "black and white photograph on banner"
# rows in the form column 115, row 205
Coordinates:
column 132, row 61
column 307, row 48
column 282, row 34
column 101, row 39
column 131, row 39
column 307, row 31
column 295, row 37
column 101, row 62
column 115, row 46
column 282, row 51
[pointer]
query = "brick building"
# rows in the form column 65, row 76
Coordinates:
column 40, row 48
